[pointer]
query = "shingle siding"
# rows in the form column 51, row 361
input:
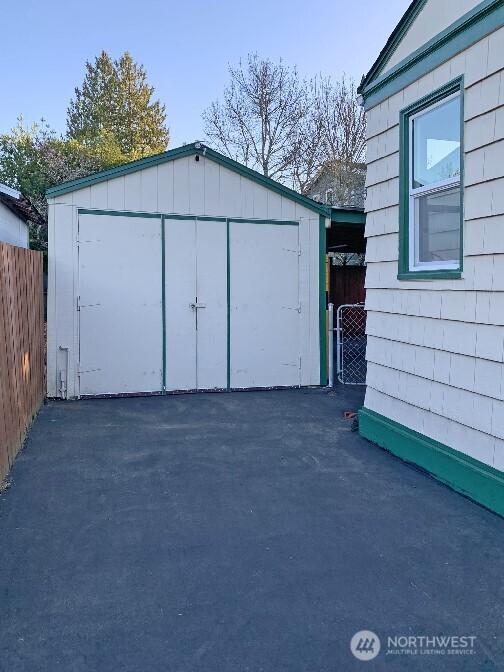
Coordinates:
column 436, row 348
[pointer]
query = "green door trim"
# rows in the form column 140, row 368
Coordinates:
column 163, row 298
column 200, row 218
column 228, row 290
column 322, row 301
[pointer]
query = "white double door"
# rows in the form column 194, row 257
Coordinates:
column 196, row 313
column 232, row 304
column 206, row 305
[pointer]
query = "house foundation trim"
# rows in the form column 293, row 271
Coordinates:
column 472, row 478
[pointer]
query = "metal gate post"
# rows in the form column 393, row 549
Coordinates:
column 330, row 342
column 338, row 344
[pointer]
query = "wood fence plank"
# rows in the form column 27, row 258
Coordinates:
column 22, row 370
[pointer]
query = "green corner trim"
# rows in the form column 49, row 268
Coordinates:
column 404, row 272
column 473, row 26
column 178, row 153
column 476, row 480
column 228, row 290
column 322, row 301
column 163, row 298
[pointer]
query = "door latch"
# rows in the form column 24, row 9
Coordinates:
column 195, row 306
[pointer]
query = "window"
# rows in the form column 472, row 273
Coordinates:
column 431, row 192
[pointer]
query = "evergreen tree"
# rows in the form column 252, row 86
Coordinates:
column 115, row 106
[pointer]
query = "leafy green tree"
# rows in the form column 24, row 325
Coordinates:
column 114, row 109
column 34, row 158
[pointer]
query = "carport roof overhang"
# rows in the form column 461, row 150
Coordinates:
column 181, row 152
column 346, row 233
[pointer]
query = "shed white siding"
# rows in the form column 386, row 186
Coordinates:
column 436, row 348
column 182, row 186
column 13, row 230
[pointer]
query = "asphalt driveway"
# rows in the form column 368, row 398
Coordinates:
column 234, row 532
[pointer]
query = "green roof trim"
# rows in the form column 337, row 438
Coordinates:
column 348, row 216
column 473, row 26
column 393, row 42
column 181, row 152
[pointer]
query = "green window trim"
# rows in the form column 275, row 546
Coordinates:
column 404, row 272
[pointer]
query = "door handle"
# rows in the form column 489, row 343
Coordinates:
column 195, row 306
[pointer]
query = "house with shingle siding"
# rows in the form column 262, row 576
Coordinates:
column 435, row 244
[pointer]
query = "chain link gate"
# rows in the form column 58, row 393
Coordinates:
column 350, row 344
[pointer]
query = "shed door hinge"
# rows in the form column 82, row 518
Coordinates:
column 299, row 361
column 78, row 303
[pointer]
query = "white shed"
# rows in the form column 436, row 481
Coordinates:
column 183, row 271
column 14, row 218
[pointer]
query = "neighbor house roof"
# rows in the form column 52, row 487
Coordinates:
column 180, row 152
column 334, row 174
column 21, row 207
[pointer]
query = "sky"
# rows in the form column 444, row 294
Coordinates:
column 185, row 47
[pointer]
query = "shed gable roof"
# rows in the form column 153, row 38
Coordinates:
column 178, row 153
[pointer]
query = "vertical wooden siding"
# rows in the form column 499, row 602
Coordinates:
column 21, row 347
column 347, row 285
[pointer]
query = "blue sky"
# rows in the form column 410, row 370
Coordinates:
column 184, row 46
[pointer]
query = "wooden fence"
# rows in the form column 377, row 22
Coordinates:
column 347, row 285
column 21, row 347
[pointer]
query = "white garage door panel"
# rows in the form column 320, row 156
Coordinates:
column 180, row 292
column 120, row 304
column 211, row 333
column 264, row 302
column 196, row 273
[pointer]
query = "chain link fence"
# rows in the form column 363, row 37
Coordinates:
column 351, row 344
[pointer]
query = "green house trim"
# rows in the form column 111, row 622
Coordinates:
column 473, row 26
column 348, row 216
column 181, row 152
column 472, row 478
column 404, row 272
column 322, row 301
column 393, row 42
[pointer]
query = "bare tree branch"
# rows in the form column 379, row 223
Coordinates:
column 285, row 127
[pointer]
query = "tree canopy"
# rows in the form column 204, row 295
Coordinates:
column 111, row 120
column 284, row 126
column 114, row 107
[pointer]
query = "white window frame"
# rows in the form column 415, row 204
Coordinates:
column 442, row 185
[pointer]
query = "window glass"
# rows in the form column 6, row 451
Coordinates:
column 437, row 216
column 436, row 144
